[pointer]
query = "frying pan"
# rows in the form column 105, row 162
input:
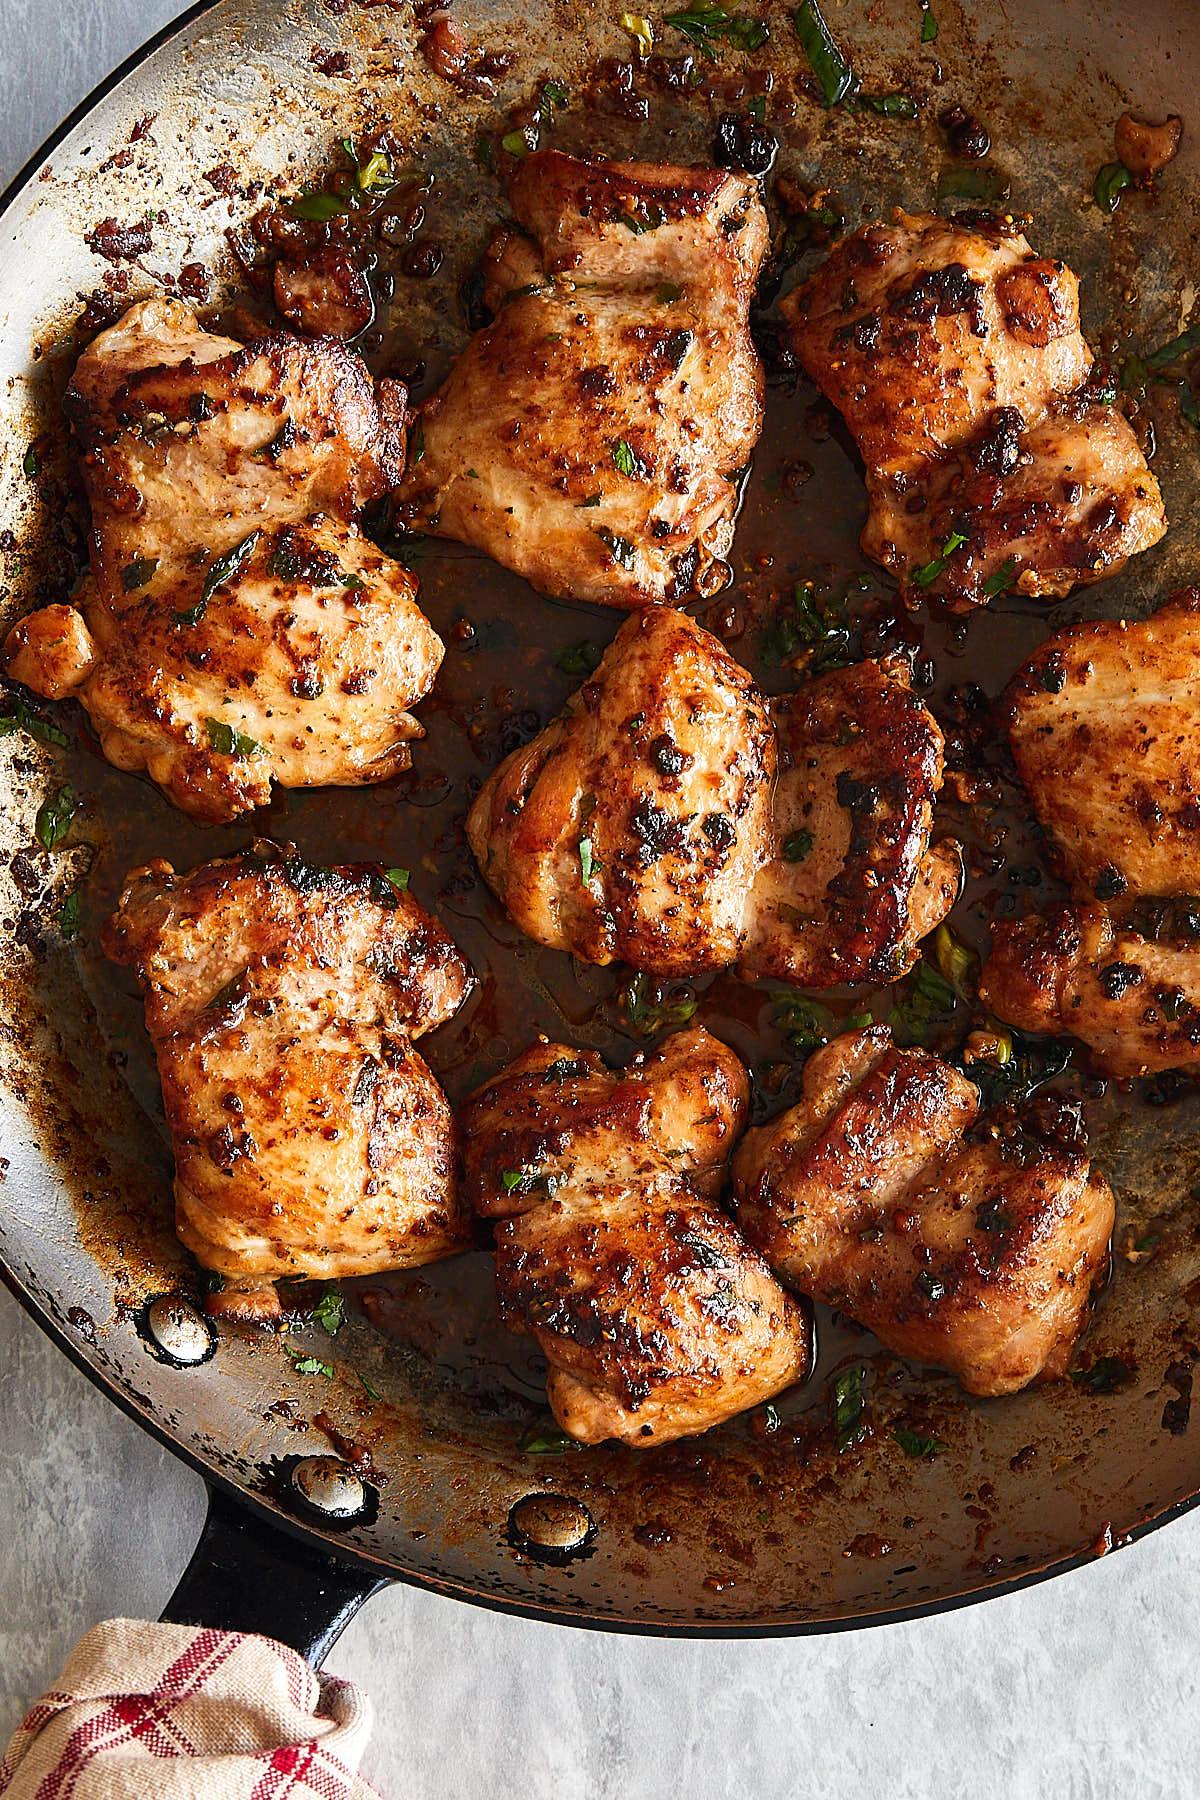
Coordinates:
column 406, row 1461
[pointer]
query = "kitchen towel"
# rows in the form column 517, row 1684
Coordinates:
column 178, row 1712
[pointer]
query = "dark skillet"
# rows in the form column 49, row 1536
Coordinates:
column 761, row 1527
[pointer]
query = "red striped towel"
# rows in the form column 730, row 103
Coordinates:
column 177, row 1712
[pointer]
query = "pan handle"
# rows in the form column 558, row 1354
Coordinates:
column 246, row 1575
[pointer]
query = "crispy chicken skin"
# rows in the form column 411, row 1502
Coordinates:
column 955, row 355
column 662, row 765
column 591, row 437
column 1104, row 723
column 658, row 783
column 310, row 1138
column 978, row 1257
column 853, row 885
column 657, row 1319
column 313, row 648
column 1135, row 1003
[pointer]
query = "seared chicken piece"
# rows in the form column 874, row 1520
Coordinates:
column 1134, row 1003
column 310, row 1138
column 853, row 886
column 657, row 1320
column 641, row 824
column 955, row 355
column 633, row 825
column 978, row 1257
column 592, row 436
column 1104, row 722
column 237, row 626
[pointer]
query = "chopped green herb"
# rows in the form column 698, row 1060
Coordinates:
column 624, row 459
column 316, row 205
column 330, row 1311
column 30, row 463
column 848, row 1405
column 592, row 500
column 304, row 1364
column 797, row 845
column 192, row 615
column 619, row 548
column 834, row 74
column 889, row 106
column 54, row 816
column 566, row 1068
column 705, row 26
column 1178, row 347
column 649, row 1009
column 24, row 718
column 227, row 741
column 1001, row 581
column 929, row 26
column 516, row 143
column 807, row 1023
column 1104, row 1376
column 1188, row 405
column 956, row 961
column 579, row 659
column 135, row 575
column 588, row 865
column 983, row 186
column 398, row 879
column 921, row 1449
column 1110, row 184
column 822, row 630
column 546, row 1440
column 930, row 1284
column 667, row 292
column 417, row 444
column 229, row 565
column 375, row 174
column 929, row 572
column 354, row 582
column 372, row 1393
column 68, row 915
column 485, row 156
column 512, row 1179
column 554, row 94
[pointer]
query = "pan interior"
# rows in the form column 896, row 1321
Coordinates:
column 757, row 1525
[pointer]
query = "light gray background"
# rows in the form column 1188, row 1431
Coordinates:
column 1081, row 1689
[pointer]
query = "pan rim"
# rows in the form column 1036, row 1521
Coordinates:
column 357, row 1558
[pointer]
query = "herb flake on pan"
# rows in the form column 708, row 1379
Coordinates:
column 546, row 1440
column 30, row 463
column 706, row 26
column 889, row 106
column 929, row 26
column 579, row 659
column 399, row 879
column 23, row 717
column 372, row 1393
column 330, row 1311
column 68, row 915
column 226, row 740
column 1109, row 185
column 619, row 548
column 227, row 566
column 1105, row 1376
column 985, row 187
column 921, row 1449
column 53, row 822
column 832, row 70
column 848, row 1405
column 648, row 1008
column 316, row 205
column 138, row 573
column 806, row 1022
column 304, row 1364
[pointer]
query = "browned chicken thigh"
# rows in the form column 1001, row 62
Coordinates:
column 993, row 460
column 977, row 1256
column 853, row 885
column 1104, row 723
column 1134, row 1001
column 592, row 436
column 237, row 627
column 310, row 1138
column 657, row 1319
column 645, row 823
column 633, row 826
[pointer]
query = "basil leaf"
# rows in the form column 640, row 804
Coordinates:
column 648, row 1010
column 30, row 463
column 227, row 566
column 53, row 822
column 316, row 205
column 918, row 1447
column 579, row 659
column 135, row 575
column 984, row 186
column 929, row 27
column 546, row 1440
column 619, row 548
column 848, row 1405
column 68, row 915
column 1002, row 580
column 304, row 1364
column 1109, row 185
column 398, row 879
column 704, row 26
column 1104, row 1376
column 1180, row 346
column 24, row 718
column 329, row 1312
column 833, row 72
column 889, row 106
column 588, row 866
column 797, row 845
column 624, row 459
column 229, row 742
column 372, row 1393
column 929, row 572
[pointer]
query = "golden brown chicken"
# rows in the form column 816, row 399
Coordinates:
column 237, row 627
column 853, row 885
column 1134, row 1001
column 994, row 460
column 977, row 1256
column 657, row 1319
column 592, row 436
column 645, row 823
column 310, row 1138
column 1104, row 722
column 633, row 825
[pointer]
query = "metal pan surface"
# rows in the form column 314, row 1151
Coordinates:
column 757, row 1527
